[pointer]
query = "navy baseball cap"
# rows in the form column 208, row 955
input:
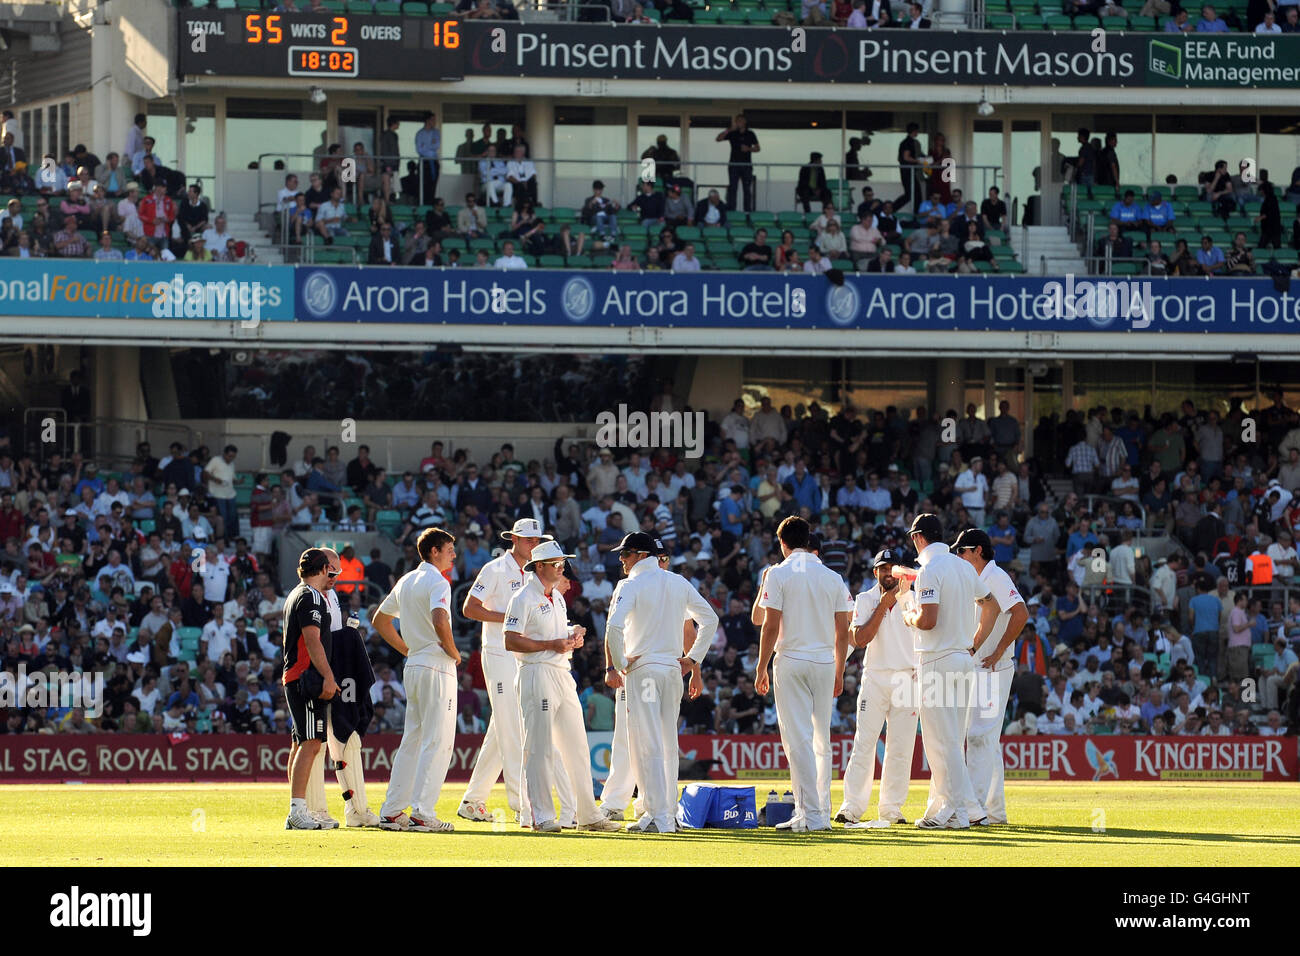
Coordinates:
column 886, row 556
column 973, row 538
column 638, row 541
column 661, row 549
column 928, row 525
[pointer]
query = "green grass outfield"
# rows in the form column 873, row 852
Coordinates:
column 1145, row 824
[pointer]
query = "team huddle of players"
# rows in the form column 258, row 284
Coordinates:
column 938, row 641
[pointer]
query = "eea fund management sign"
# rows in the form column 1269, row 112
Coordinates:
column 774, row 301
column 775, row 54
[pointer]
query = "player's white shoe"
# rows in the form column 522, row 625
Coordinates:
column 925, row 823
column 323, row 817
column 478, row 812
column 569, row 824
column 844, row 815
column 955, row 823
column 430, row 825
column 613, row 813
column 799, row 826
column 994, row 822
column 300, row 818
column 602, row 825
column 550, row 826
column 981, row 822
column 367, row 819
column 398, row 821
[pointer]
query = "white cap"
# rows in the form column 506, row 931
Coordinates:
column 526, row 528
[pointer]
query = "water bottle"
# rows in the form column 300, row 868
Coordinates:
column 788, row 797
column 772, row 797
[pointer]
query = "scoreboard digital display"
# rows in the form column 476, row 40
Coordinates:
column 340, row 46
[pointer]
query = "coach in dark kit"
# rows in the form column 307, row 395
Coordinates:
column 308, row 680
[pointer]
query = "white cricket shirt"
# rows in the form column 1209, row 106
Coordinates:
column 336, row 613
column 413, row 600
column 1004, row 591
column 540, row 617
column 892, row 647
column 498, row 581
column 952, row 584
column 645, row 621
column 808, row 594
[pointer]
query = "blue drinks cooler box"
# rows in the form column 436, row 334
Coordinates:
column 708, row 805
column 777, row 811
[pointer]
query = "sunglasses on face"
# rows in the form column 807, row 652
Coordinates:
column 334, row 574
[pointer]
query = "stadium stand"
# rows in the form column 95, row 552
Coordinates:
column 1119, row 530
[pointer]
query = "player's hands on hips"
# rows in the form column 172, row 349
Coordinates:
column 331, row 688
column 613, row 678
column 761, row 682
column 990, row 661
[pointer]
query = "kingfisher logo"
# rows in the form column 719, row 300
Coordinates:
column 1165, row 59
column 578, row 299
column 319, row 294
column 842, row 304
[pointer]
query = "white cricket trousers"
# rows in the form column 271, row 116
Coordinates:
column 984, row 742
column 423, row 756
column 944, row 706
column 502, row 751
column 619, row 784
column 805, row 698
column 554, row 726
column 884, row 698
column 654, row 700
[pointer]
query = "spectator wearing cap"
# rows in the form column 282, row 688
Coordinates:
column 677, row 210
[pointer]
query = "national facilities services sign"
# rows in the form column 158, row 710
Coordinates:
column 1217, row 60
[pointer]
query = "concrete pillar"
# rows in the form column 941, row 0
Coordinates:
column 716, row 384
column 955, row 122
column 112, row 107
column 115, row 384
column 949, row 386
column 539, row 126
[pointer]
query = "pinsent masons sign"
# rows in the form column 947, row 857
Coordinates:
column 768, row 54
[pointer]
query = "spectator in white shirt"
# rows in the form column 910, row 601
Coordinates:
column 216, row 236
column 1283, row 554
column 522, row 175
column 329, row 217
column 686, row 260
column 218, row 635
column 284, row 199
column 1123, row 559
column 816, row 264
column 974, row 490
column 1269, row 24
column 508, row 259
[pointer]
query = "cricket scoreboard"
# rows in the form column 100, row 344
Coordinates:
column 335, row 46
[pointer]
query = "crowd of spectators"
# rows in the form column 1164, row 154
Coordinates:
column 127, row 206
column 100, row 572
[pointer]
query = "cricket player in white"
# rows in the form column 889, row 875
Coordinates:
column 884, row 698
column 421, row 600
column 806, row 610
column 939, row 613
column 996, row 668
column 616, row 793
column 644, row 636
column 537, row 629
column 347, row 757
column 502, row 752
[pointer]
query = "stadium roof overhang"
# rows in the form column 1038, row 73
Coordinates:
column 644, row 339
column 630, row 90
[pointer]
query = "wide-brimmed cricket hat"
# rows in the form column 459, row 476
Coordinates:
column 547, row 551
column 526, row 528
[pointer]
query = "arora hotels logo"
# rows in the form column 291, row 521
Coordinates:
column 319, row 294
column 1165, row 60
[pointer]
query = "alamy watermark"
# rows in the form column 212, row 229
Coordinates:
column 43, row 689
column 647, row 430
column 1094, row 299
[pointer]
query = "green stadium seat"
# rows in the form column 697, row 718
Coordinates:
column 1012, row 266
column 1057, row 21
column 415, row 8
column 1125, row 268
column 146, row 525
column 1001, row 21
column 689, row 233
column 792, row 217
column 388, row 8
column 388, row 521
column 763, row 220
column 736, row 17
column 550, row 262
